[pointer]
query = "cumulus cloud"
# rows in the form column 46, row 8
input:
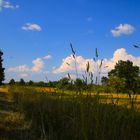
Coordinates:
column 24, row 70
column 38, row 65
column 7, row 5
column 31, row 27
column 125, row 29
column 47, row 57
column 121, row 54
column 67, row 64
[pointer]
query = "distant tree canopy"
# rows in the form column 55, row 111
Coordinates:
column 12, row 82
column 30, row 83
column 22, row 82
column 2, row 76
column 79, row 84
column 127, row 74
column 63, row 83
column 104, row 81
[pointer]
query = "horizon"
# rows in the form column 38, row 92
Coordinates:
column 35, row 37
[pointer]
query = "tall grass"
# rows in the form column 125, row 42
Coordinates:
column 62, row 117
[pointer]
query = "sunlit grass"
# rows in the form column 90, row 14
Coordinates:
column 43, row 113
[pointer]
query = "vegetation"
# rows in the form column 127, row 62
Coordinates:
column 1, row 68
column 35, row 115
column 127, row 74
column 80, row 109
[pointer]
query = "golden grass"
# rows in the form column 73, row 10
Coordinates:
column 44, row 89
column 4, row 89
column 120, row 98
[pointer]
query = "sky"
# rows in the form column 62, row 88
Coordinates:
column 35, row 36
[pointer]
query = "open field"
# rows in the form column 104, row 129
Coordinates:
column 32, row 114
column 116, row 98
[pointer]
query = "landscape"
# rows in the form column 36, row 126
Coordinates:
column 69, row 70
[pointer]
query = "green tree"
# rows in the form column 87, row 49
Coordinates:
column 104, row 81
column 2, row 75
column 136, row 86
column 79, row 85
column 41, row 84
column 116, row 84
column 63, row 83
column 12, row 82
column 127, row 71
column 30, row 83
column 22, row 82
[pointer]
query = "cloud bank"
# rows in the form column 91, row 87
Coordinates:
column 67, row 64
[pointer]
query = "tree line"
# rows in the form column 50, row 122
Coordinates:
column 124, row 78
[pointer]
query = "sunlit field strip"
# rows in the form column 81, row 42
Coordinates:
column 120, row 98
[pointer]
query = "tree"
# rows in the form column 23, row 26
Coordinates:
column 41, row 84
column 22, row 82
column 116, row 84
column 30, row 83
column 126, row 70
column 104, row 81
column 2, row 76
column 80, row 85
column 63, row 83
column 12, row 82
column 136, row 86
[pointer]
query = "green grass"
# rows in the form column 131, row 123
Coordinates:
column 36, row 115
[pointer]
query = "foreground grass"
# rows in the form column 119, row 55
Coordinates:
column 12, row 122
column 54, row 116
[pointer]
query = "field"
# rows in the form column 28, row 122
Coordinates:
column 36, row 113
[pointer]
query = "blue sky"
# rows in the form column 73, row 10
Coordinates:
column 31, row 30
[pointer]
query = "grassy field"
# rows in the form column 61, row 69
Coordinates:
column 119, row 99
column 39, row 113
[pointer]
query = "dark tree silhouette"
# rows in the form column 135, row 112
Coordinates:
column 2, row 75
column 12, row 82
column 22, row 82
column 104, row 81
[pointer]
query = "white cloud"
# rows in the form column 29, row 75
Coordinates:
column 38, row 65
column 125, row 29
column 31, row 27
column 21, row 68
column 121, row 54
column 7, row 5
column 47, row 57
column 67, row 64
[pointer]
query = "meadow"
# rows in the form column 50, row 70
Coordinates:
column 36, row 113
